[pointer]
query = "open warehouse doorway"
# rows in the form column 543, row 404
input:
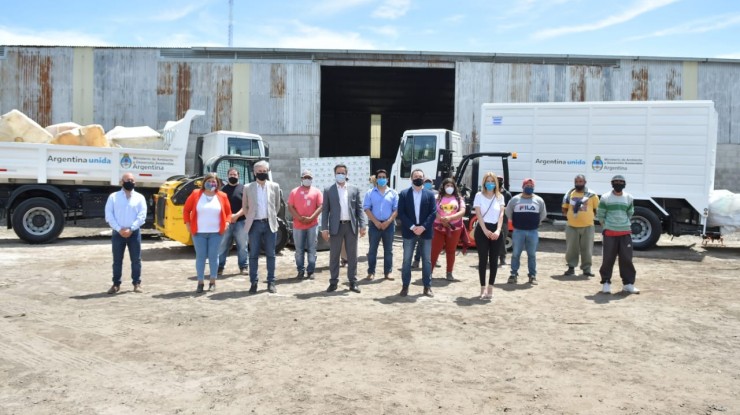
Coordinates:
column 390, row 100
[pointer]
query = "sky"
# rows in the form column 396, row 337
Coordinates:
column 663, row 28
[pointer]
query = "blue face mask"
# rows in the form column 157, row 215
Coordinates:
column 490, row 186
column 341, row 178
column 211, row 186
column 382, row 182
column 428, row 186
column 529, row 190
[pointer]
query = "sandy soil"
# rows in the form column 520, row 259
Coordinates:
column 557, row 348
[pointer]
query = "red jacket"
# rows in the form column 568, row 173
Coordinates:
column 190, row 211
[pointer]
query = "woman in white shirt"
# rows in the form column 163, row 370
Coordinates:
column 206, row 213
column 489, row 210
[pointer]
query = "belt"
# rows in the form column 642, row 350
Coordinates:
column 262, row 220
column 345, row 221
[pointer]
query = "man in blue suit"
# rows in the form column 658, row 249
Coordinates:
column 417, row 210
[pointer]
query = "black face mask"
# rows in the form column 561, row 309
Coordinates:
column 233, row 180
column 261, row 176
column 129, row 186
column 580, row 187
column 618, row 187
column 418, row 182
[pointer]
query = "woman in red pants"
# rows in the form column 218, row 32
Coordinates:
column 448, row 226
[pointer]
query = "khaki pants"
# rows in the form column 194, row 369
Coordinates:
column 579, row 242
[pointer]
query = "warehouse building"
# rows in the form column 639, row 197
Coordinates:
column 311, row 103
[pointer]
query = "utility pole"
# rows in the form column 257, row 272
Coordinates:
column 231, row 23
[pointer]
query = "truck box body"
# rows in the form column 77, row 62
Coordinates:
column 664, row 149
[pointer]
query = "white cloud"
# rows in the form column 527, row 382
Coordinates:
column 174, row 14
column 392, row 9
column 639, row 8
column 455, row 18
column 25, row 37
column 388, row 31
column 697, row 26
column 297, row 35
column 336, row 6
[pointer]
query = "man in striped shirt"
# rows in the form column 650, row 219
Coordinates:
column 614, row 213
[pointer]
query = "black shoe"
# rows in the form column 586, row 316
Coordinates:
column 428, row 292
column 271, row 288
column 532, row 279
column 211, row 286
column 220, row 271
column 502, row 261
column 300, row 275
column 309, row 276
column 243, row 270
column 570, row 271
column 589, row 274
column 332, row 288
column 512, row 279
column 404, row 291
column 354, row 287
column 199, row 289
column 253, row 288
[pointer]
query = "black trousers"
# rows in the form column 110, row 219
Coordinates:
column 488, row 252
column 503, row 236
column 613, row 247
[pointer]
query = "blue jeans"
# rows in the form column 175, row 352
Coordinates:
column 206, row 246
column 525, row 240
column 425, row 245
column 261, row 237
column 119, row 244
column 234, row 232
column 376, row 235
column 305, row 240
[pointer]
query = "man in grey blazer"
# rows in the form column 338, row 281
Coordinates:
column 341, row 220
column 261, row 203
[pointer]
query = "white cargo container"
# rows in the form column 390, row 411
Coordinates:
column 665, row 149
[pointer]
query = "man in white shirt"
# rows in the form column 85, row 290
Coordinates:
column 125, row 212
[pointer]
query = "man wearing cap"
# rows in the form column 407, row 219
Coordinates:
column 526, row 211
column 614, row 213
column 579, row 206
column 235, row 231
column 381, row 208
column 305, row 204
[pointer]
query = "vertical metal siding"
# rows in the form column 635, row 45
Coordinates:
column 720, row 82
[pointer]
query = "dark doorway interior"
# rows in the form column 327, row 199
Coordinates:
column 406, row 98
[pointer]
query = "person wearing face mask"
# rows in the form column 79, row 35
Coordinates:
column 342, row 219
column 125, row 212
column 579, row 206
column 448, row 225
column 615, row 213
column 526, row 211
column 381, row 208
column 207, row 213
column 417, row 211
column 305, row 203
column 428, row 185
column 489, row 210
column 261, row 204
column 235, row 231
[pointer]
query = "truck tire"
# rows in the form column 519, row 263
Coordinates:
column 646, row 229
column 281, row 239
column 38, row 220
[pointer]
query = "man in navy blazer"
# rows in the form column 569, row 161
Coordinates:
column 417, row 210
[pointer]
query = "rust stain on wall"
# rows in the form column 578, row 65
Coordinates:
column 37, row 91
column 165, row 80
column 182, row 99
column 277, row 80
column 222, row 107
column 578, row 83
column 673, row 85
column 639, row 84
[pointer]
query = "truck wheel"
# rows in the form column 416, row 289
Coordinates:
column 509, row 243
column 281, row 239
column 646, row 229
column 38, row 220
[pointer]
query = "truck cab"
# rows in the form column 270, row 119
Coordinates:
column 435, row 151
column 222, row 143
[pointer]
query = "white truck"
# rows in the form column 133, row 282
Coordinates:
column 435, row 151
column 665, row 149
column 43, row 185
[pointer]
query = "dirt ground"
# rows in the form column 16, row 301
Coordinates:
column 557, row 348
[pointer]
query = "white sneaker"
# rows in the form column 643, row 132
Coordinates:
column 629, row 288
column 606, row 288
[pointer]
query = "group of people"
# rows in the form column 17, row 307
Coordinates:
column 217, row 216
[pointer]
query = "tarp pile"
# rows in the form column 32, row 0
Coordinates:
column 724, row 211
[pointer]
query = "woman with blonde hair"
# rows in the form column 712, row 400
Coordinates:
column 489, row 210
column 206, row 214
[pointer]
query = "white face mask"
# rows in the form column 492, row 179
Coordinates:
column 449, row 190
column 306, row 182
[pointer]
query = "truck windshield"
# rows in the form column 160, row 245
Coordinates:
column 243, row 146
column 418, row 149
